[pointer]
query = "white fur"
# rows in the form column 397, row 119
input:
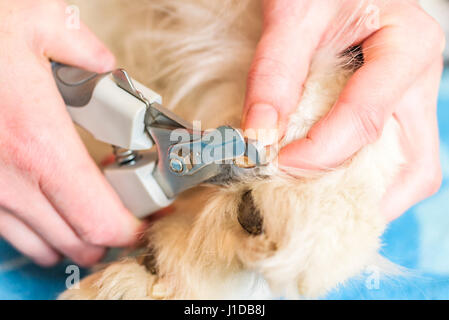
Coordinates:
column 319, row 230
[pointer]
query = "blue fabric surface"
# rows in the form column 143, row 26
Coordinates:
column 419, row 241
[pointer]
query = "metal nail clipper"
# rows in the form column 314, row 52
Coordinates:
column 122, row 112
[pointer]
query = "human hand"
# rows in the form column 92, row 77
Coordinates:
column 53, row 199
column 403, row 63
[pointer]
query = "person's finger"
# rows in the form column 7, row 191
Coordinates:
column 414, row 184
column 392, row 62
column 25, row 240
column 420, row 176
column 79, row 192
column 68, row 177
column 68, row 41
column 32, row 208
column 35, row 210
column 277, row 74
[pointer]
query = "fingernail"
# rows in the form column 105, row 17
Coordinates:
column 136, row 231
column 261, row 123
column 108, row 60
column 261, row 116
column 131, row 228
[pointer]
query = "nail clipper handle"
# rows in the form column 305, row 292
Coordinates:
column 99, row 105
column 137, row 187
column 114, row 116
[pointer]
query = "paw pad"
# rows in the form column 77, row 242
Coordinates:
column 249, row 216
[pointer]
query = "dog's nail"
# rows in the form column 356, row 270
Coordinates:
column 159, row 291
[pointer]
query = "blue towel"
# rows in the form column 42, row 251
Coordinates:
column 419, row 241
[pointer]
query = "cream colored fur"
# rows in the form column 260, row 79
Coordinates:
column 319, row 230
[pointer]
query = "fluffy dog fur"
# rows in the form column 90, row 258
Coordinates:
column 318, row 230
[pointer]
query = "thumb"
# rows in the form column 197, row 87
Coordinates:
column 66, row 40
column 279, row 69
